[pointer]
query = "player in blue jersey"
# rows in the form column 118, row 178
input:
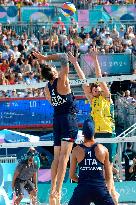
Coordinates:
column 65, row 126
column 93, row 160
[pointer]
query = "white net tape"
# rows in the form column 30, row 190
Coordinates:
column 50, row 143
column 72, row 82
column 118, row 139
column 103, row 79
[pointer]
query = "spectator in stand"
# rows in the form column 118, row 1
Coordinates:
column 77, row 39
column 11, row 78
column 121, row 32
column 59, row 25
column 30, row 45
column 13, row 94
column 21, row 45
column 11, row 44
column 31, row 79
column 128, row 98
column 130, row 32
column 82, row 33
column 128, row 155
column 132, row 170
column 88, row 40
column 44, row 161
column 127, row 49
column 29, row 93
column 73, row 25
column 17, row 40
column 63, row 40
column 7, row 52
column 45, row 36
column 103, row 33
column 24, row 36
column 108, row 40
column 126, row 40
column 3, row 80
column 4, row 66
column 114, row 33
column 54, row 40
column 35, row 67
column 43, row 3
column 16, row 53
column 83, row 48
column 15, row 66
column 71, row 46
column 93, row 33
column 20, row 79
column 25, row 68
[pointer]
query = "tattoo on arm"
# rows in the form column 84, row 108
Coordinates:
column 63, row 59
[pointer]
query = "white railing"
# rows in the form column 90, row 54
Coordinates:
column 8, row 159
column 123, row 137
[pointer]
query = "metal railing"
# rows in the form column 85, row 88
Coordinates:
column 125, row 113
column 6, row 159
column 35, row 27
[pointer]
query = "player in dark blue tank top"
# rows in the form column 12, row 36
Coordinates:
column 93, row 160
column 65, row 126
column 63, row 104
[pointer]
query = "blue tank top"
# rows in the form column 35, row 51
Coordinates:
column 90, row 168
column 63, row 104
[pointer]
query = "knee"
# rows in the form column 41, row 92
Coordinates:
column 64, row 157
column 56, row 160
column 33, row 193
column 20, row 197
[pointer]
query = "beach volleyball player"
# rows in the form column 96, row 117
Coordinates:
column 65, row 126
column 101, row 110
column 93, row 161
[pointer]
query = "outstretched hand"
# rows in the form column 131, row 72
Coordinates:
column 71, row 58
column 94, row 53
column 38, row 55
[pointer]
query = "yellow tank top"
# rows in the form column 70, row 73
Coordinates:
column 101, row 114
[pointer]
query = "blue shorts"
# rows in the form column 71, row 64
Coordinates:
column 85, row 194
column 65, row 127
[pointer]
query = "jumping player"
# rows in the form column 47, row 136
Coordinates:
column 93, row 160
column 65, row 126
column 101, row 110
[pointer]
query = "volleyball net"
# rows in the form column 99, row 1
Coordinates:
column 11, row 111
column 72, row 82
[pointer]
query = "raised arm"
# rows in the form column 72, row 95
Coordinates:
column 56, row 57
column 103, row 85
column 62, row 57
column 80, row 74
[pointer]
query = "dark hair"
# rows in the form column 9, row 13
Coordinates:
column 129, row 144
column 30, row 154
column 88, row 129
column 46, row 71
column 94, row 85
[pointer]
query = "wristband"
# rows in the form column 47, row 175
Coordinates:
column 63, row 59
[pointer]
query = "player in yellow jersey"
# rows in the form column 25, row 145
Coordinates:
column 102, row 106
